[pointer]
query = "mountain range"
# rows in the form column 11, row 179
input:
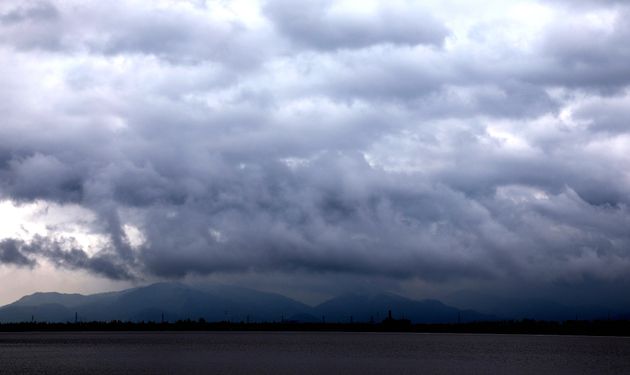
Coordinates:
column 176, row 301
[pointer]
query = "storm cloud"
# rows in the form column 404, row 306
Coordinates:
column 386, row 139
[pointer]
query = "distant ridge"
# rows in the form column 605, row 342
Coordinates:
column 374, row 307
column 175, row 301
column 530, row 308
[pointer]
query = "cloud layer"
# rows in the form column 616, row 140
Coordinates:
column 435, row 143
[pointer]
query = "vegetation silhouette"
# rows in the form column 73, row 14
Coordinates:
column 526, row 326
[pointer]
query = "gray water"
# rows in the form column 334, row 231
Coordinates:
column 309, row 353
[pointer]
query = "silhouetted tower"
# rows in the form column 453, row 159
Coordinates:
column 389, row 315
column 76, row 317
column 162, row 317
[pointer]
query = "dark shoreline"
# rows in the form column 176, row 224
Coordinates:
column 571, row 327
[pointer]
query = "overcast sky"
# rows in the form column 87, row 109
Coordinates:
column 313, row 147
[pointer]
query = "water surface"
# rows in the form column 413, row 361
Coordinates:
column 308, row 353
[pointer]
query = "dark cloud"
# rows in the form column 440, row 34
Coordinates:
column 30, row 11
column 181, row 37
column 318, row 24
column 64, row 254
column 305, row 221
column 578, row 52
column 11, row 254
column 358, row 150
column 30, row 24
column 179, row 34
column 608, row 115
column 41, row 177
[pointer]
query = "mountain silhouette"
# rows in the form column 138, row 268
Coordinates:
column 167, row 301
column 529, row 308
column 176, row 301
column 374, row 307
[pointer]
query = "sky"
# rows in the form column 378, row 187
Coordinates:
column 316, row 147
